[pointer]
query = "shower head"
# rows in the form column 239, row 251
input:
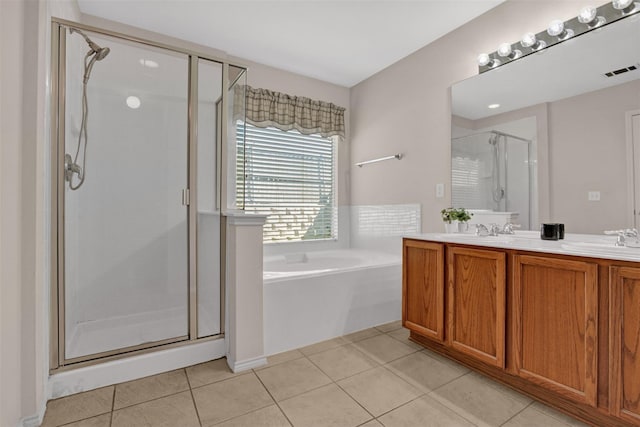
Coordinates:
column 101, row 52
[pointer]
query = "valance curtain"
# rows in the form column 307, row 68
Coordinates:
column 266, row 108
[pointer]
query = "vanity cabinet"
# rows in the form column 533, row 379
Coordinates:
column 555, row 325
column 423, row 288
column 476, row 289
column 562, row 328
column 624, row 341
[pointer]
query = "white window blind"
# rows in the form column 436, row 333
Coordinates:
column 291, row 178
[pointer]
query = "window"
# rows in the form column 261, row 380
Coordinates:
column 291, row 178
column 465, row 182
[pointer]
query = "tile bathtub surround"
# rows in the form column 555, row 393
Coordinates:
column 370, row 378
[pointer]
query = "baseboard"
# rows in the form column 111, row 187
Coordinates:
column 244, row 365
column 33, row 420
column 131, row 368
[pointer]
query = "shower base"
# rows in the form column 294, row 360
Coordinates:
column 102, row 335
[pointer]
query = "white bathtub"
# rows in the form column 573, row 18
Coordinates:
column 316, row 296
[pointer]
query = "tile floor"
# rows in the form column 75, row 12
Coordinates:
column 375, row 377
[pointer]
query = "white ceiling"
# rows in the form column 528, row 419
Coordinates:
column 342, row 42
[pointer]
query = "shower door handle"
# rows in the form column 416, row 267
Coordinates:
column 185, row 197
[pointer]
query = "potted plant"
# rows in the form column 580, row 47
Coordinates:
column 455, row 220
column 450, row 219
column 463, row 216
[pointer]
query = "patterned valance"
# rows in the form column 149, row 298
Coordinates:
column 266, row 108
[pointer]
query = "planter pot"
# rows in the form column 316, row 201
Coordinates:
column 451, row 227
column 463, row 227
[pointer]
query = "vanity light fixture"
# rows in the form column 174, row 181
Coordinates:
column 588, row 19
column 493, row 106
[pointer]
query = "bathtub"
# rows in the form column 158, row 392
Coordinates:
column 315, row 296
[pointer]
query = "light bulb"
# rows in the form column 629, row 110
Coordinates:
column 133, row 102
column 555, row 28
column 587, row 15
column 621, row 4
column 504, row 49
column 529, row 40
column 483, row 59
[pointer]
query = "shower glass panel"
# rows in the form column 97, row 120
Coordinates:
column 209, row 111
column 236, row 136
column 126, row 228
column 491, row 171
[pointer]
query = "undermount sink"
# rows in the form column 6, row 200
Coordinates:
column 601, row 248
column 502, row 238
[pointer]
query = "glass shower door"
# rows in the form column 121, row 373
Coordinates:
column 126, row 272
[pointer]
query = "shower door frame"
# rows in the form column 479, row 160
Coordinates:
column 57, row 360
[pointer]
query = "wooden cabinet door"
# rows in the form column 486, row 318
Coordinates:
column 423, row 288
column 476, row 303
column 624, row 341
column 555, row 318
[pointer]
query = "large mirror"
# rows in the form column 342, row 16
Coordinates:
column 552, row 136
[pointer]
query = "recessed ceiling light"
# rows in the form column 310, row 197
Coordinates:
column 133, row 102
column 493, row 106
column 149, row 63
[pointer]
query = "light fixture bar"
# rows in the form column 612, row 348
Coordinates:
column 588, row 19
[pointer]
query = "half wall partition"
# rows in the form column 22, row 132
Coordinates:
column 137, row 150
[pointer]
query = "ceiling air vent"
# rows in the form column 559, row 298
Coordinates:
column 622, row 70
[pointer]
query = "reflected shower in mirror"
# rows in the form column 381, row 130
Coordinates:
column 578, row 103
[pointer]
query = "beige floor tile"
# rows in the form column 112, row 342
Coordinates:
column 342, row 362
column 383, row 349
column 388, row 327
column 323, row 345
column 533, row 418
column 566, row 419
column 230, row 398
column 326, row 406
column 149, row 388
column 103, row 420
column 379, row 390
column 281, row 358
column 292, row 378
column 472, row 397
column 271, row 416
column 402, row 335
column 78, row 407
column 170, row 411
column 423, row 412
column 209, row 372
column 425, row 372
column 360, row 335
column 372, row 423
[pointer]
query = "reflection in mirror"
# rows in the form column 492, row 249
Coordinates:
column 577, row 123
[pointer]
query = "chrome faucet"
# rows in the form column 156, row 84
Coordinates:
column 494, row 229
column 483, row 230
column 623, row 235
column 508, row 228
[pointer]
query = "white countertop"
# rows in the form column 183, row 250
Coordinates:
column 585, row 245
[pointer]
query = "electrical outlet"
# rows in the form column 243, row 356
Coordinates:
column 439, row 191
column 593, row 196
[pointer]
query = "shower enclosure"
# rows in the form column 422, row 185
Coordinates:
column 137, row 146
column 492, row 171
